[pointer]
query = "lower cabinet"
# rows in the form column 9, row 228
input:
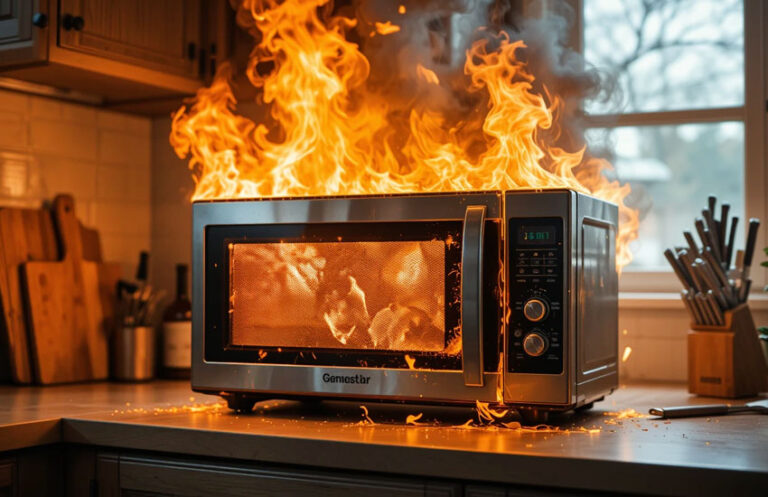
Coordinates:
column 34, row 472
column 84, row 471
column 7, row 478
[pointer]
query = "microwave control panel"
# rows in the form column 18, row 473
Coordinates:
column 536, row 283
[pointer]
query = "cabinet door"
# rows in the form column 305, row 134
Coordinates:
column 157, row 34
column 21, row 41
column 150, row 475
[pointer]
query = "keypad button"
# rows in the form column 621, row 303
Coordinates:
column 522, row 270
column 536, row 262
column 551, row 253
column 535, row 270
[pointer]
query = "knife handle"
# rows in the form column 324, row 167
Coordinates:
column 690, row 411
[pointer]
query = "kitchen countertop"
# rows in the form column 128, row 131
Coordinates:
column 601, row 449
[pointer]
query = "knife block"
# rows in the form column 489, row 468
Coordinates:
column 727, row 361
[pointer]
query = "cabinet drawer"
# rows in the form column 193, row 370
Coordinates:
column 159, row 476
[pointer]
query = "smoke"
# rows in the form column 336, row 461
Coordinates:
column 436, row 34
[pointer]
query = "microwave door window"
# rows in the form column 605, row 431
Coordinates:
column 382, row 295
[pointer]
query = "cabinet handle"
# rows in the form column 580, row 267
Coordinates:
column 191, row 51
column 40, row 20
column 70, row 22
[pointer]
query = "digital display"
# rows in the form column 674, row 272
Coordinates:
column 536, row 235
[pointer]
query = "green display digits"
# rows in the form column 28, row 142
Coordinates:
column 536, row 235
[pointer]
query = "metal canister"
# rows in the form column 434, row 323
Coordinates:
column 133, row 353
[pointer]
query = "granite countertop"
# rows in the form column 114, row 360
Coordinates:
column 603, row 449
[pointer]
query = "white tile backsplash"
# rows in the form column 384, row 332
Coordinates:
column 66, row 139
column 102, row 158
column 172, row 188
column 118, row 147
column 13, row 131
column 64, row 175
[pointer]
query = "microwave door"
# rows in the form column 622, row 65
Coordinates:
column 296, row 291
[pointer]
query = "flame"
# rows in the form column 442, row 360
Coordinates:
column 386, row 28
column 410, row 361
column 366, row 418
column 413, row 419
column 627, row 353
column 487, row 414
column 427, row 75
column 331, row 132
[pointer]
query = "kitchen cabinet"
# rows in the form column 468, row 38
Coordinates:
column 7, row 477
column 116, row 54
column 157, row 34
column 36, row 471
column 23, row 37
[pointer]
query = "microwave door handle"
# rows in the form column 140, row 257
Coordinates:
column 472, row 295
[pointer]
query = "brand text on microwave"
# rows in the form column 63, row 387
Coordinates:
column 353, row 378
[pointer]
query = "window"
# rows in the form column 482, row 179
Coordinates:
column 680, row 124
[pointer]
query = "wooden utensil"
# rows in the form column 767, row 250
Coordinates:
column 109, row 274
column 26, row 234
column 69, row 342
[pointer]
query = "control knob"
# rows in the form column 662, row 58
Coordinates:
column 535, row 344
column 536, row 309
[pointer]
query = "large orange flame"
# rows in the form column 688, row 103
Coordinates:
column 330, row 133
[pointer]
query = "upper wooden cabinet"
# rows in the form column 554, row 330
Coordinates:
column 20, row 40
column 123, row 54
column 158, row 34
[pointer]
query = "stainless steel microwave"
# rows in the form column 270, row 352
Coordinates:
column 500, row 297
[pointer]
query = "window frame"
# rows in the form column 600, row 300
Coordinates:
column 754, row 115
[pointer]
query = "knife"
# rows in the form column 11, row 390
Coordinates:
column 759, row 407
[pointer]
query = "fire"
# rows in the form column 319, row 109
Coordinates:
column 413, row 420
column 386, row 28
column 427, row 75
column 331, row 131
column 627, row 353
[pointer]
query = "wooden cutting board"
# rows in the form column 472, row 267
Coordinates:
column 26, row 234
column 66, row 322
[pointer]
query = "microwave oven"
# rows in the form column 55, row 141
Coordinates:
column 507, row 297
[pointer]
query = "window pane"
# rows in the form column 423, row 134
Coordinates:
column 672, row 171
column 666, row 54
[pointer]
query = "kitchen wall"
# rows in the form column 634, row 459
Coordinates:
column 172, row 188
column 129, row 184
column 101, row 157
column 655, row 327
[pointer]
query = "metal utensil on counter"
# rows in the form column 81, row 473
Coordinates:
column 133, row 342
column 758, row 407
column 133, row 353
